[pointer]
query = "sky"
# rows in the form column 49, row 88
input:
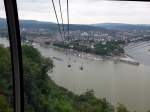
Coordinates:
column 84, row 11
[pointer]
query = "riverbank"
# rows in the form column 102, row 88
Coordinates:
column 123, row 58
column 140, row 52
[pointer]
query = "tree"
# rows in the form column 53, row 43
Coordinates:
column 4, row 105
column 121, row 108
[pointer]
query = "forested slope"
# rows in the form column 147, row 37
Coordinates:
column 41, row 93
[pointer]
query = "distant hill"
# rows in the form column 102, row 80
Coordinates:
column 103, row 27
column 122, row 26
column 32, row 24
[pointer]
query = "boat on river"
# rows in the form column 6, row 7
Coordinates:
column 129, row 61
column 59, row 59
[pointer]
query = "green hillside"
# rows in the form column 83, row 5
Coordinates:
column 41, row 93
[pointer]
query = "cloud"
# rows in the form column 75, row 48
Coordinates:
column 85, row 11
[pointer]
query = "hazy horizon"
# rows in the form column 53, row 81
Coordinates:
column 76, row 23
column 85, row 11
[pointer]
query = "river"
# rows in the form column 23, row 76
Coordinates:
column 118, row 83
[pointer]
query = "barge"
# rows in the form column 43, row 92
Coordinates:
column 129, row 61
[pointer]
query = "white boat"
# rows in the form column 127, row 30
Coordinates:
column 129, row 61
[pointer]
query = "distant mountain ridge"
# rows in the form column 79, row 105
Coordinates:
column 33, row 24
column 104, row 27
column 123, row 26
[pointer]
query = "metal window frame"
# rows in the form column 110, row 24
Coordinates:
column 16, row 54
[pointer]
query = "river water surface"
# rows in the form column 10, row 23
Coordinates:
column 118, row 83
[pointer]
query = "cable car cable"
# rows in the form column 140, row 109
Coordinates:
column 62, row 20
column 68, row 24
column 68, row 18
column 57, row 19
